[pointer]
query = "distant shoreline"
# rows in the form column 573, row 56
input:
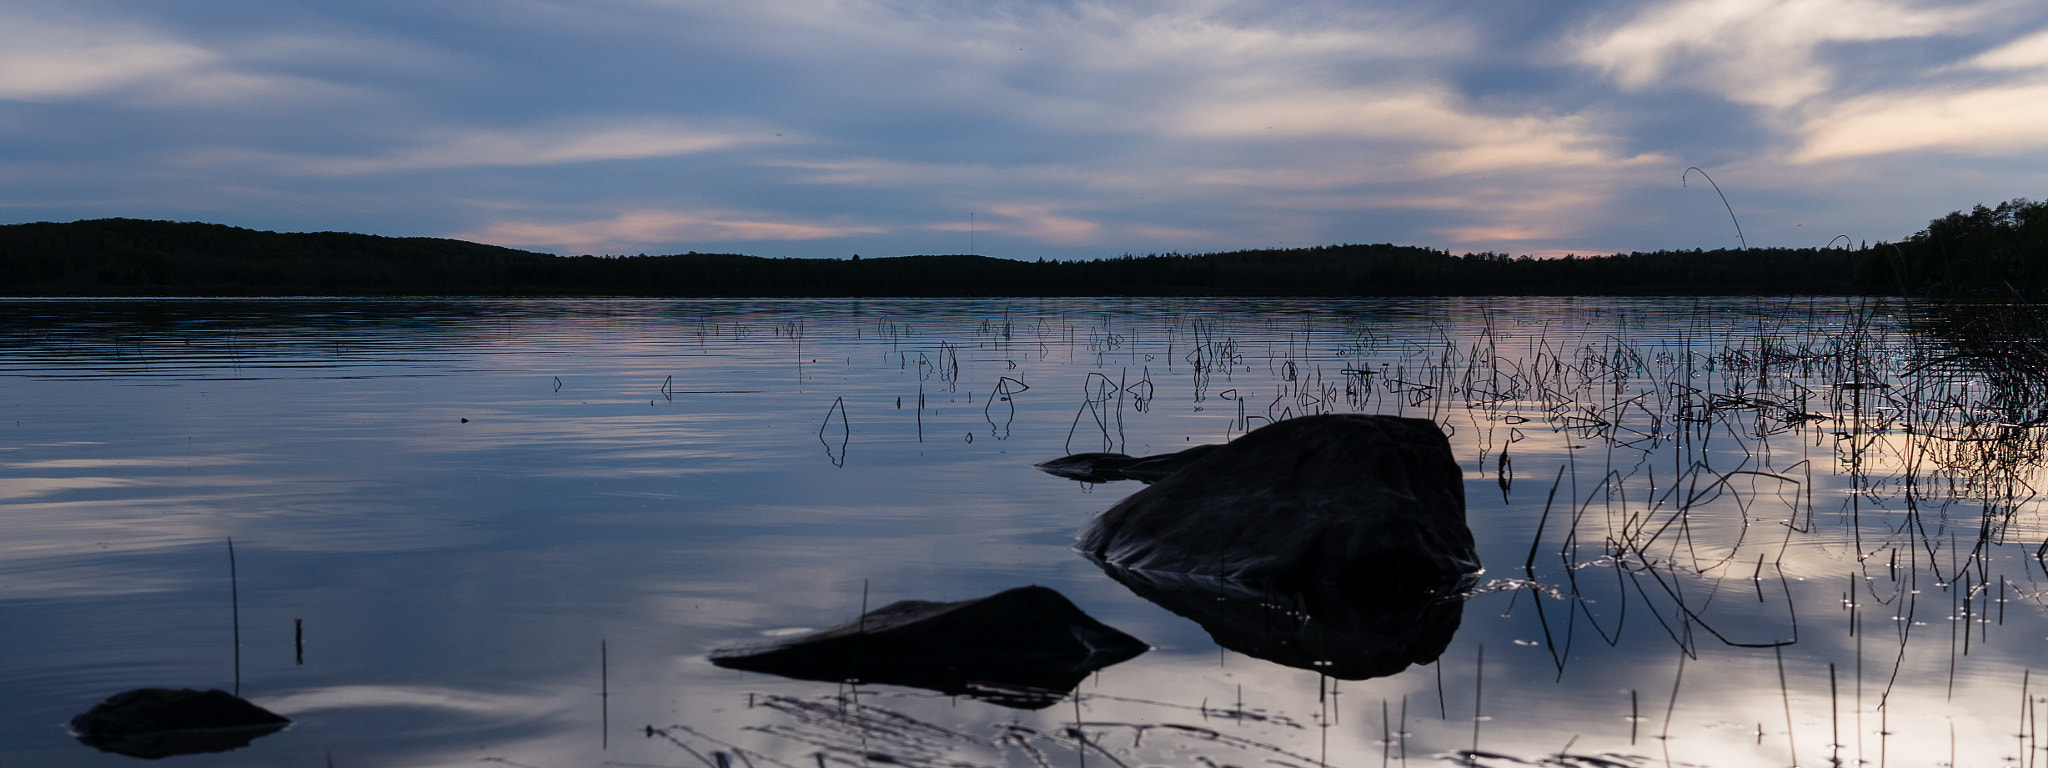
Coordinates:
column 128, row 257
column 132, row 257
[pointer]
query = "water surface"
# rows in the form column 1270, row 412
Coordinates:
column 512, row 530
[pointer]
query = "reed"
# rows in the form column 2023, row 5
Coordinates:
column 604, row 695
column 235, row 610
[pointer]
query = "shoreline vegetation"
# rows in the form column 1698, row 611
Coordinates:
column 2002, row 249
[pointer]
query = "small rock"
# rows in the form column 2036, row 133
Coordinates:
column 1023, row 647
column 159, row 722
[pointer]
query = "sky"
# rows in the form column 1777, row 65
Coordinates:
column 1052, row 129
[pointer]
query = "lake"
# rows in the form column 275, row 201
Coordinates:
column 1716, row 532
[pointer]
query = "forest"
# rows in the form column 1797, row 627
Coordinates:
column 1986, row 249
column 2002, row 248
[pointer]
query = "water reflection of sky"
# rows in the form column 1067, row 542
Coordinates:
column 663, row 478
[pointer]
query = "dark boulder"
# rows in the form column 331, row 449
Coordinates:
column 1111, row 467
column 160, row 722
column 1024, row 647
column 1371, row 502
column 1356, row 522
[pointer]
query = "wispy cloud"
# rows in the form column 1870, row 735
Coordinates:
column 1759, row 52
column 639, row 229
column 1182, row 237
column 1412, row 133
column 80, row 54
column 1043, row 223
column 1522, row 214
column 599, row 140
column 1988, row 121
column 2030, row 52
column 47, row 59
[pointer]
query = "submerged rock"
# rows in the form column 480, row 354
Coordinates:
column 1350, row 527
column 1111, row 467
column 160, row 722
column 1024, row 647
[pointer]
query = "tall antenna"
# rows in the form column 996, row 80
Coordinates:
column 970, row 234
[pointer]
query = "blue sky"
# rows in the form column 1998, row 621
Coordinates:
column 1050, row 129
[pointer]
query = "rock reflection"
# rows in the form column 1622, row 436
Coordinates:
column 154, row 723
column 1024, row 648
column 1326, row 629
column 1111, row 467
column 1334, row 543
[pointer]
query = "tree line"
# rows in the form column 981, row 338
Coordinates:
column 1984, row 248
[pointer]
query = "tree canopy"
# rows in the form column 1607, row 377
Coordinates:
column 1984, row 247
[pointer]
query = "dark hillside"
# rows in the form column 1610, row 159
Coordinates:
column 134, row 257
column 127, row 257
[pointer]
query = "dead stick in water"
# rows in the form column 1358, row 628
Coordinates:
column 1786, row 696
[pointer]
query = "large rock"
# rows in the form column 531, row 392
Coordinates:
column 1024, row 647
column 1374, row 503
column 1356, row 522
column 160, row 722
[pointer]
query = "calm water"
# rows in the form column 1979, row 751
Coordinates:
column 1742, row 562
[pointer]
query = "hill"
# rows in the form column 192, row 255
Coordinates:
column 129, row 257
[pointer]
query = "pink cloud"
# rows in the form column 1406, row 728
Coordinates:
column 641, row 228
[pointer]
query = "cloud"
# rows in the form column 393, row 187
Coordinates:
column 1044, row 224
column 1416, row 132
column 1987, row 121
column 1115, row 41
column 1758, row 52
column 2030, row 52
column 1510, row 217
column 1081, row 70
column 55, row 58
column 1201, row 38
column 1032, row 221
column 885, row 172
column 46, row 60
column 1495, row 233
column 635, row 230
column 501, row 148
column 1178, row 234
